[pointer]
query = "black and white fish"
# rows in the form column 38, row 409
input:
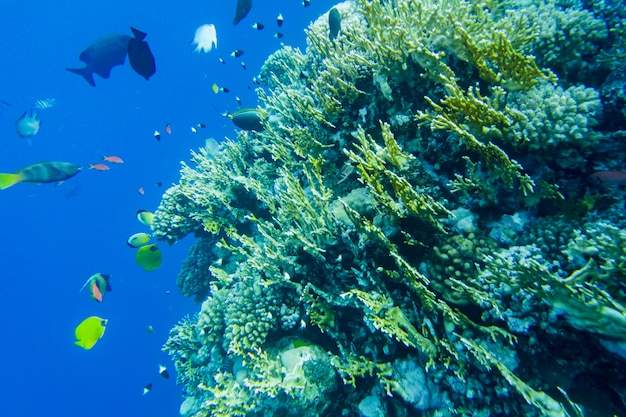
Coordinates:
column 45, row 103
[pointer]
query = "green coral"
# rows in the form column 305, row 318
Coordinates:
column 558, row 124
column 283, row 67
column 390, row 319
column 184, row 346
column 586, row 289
column 335, row 225
column 195, row 275
column 564, row 37
column 380, row 169
column 250, row 315
column 455, row 263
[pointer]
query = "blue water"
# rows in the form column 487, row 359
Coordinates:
column 54, row 238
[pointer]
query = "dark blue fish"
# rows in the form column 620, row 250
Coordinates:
column 334, row 24
column 243, row 7
column 101, row 56
column 140, row 56
column 248, row 119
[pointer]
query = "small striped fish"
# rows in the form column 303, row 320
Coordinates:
column 46, row 103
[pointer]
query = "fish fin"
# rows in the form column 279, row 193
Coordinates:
column 138, row 34
column 85, row 56
column 85, row 284
column 86, row 73
column 105, row 73
column 107, row 279
column 7, row 180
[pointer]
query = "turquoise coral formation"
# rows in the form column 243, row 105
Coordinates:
column 399, row 238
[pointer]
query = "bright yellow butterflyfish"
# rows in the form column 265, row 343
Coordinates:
column 89, row 331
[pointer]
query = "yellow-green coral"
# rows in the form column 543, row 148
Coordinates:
column 319, row 310
column 499, row 62
column 390, row 319
column 400, row 197
column 343, row 194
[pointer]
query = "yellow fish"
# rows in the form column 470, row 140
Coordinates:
column 89, row 331
column 145, row 217
column 138, row 239
column 149, row 257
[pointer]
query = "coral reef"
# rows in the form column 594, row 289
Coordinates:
column 557, row 124
column 195, row 275
column 412, row 231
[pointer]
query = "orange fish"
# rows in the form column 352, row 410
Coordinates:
column 141, row 191
column 99, row 167
column 95, row 291
column 168, row 129
column 113, row 159
column 98, row 284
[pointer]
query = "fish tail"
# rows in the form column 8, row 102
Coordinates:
column 138, row 34
column 7, row 180
column 107, row 280
column 85, row 73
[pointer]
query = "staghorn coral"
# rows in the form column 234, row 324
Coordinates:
column 337, row 225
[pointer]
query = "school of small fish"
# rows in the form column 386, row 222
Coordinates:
column 100, row 58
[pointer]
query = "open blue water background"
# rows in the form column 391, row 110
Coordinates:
column 53, row 238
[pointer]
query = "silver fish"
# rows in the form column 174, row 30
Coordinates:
column 45, row 103
column 28, row 124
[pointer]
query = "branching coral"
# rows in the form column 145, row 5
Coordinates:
column 195, row 275
column 375, row 164
column 335, row 226
column 184, row 345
